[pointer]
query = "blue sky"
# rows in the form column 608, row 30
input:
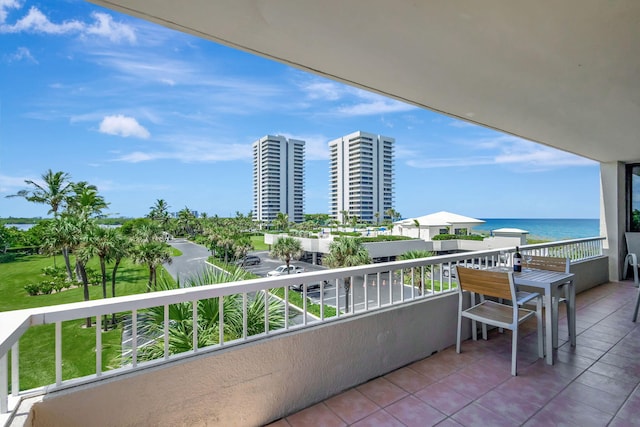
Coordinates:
column 147, row 113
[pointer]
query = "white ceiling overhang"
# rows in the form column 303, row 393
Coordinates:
column 562, row 73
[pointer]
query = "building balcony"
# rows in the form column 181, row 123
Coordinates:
column 395, row 333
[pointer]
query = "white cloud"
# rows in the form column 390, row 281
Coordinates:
column 123, row 126
column 21, row 54
column 526, row 155
column 37, row 22
column 7, row 4
column 192, row 150
column 115, row 31
column 316, row 147
column 323, row 90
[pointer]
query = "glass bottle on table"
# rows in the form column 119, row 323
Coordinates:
column 517, row 261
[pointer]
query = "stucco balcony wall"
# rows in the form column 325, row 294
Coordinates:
column 254, row 383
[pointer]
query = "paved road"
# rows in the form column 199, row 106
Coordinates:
column 190, row 262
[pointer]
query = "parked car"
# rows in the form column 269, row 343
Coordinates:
column 282, row 269
column 248, row 260
column 312, row 285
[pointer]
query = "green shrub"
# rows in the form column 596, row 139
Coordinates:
column 457, row 237
column 32, row 289
column 46, row 287
column 8, row 257
column 384, row 238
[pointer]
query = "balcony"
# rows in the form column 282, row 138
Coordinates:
column 596, row 383
column 263, row 377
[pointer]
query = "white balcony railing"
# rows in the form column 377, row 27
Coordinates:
column 373, row 287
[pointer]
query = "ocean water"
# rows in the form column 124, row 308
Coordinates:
column 545, row 228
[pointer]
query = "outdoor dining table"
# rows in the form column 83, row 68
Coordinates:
column 549, row 281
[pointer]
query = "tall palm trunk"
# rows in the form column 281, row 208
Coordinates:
column 85, row 285
column 67, row 263
column 113, row 286
column 150, row 278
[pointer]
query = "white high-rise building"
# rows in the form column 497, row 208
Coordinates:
column 362, row 175
column 278, row 178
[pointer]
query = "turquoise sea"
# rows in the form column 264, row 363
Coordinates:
column 545, row 228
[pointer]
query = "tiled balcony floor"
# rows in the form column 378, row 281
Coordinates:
column 597, row 383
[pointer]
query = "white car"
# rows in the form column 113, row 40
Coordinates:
column 282, row 269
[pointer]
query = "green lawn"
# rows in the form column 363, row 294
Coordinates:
column 258, row 243
column 78, row 343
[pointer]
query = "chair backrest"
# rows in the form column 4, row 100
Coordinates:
column 633, row 242
column 489, row 283
column 549, row 263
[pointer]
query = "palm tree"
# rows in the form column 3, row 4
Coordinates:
column 150, row 249
column 54, row 192
column 417, row 224
column 186, row 221
column 160, row 213
column 345, row 216
column 286, row 249
column 281, row 222
column 85, row 200
column 99, row 242
column 377, row 217
column 416, row 254
column 346, row 252
column 208, row 314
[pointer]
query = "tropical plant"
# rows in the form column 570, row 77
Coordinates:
column 415, row 275
column 281, row 222
column 160, row 213
column 286, row 249
column 150, row 249
column 417, row 224
column 208, row 315
column 346, row 252
column 53, row 191
column 187, row 223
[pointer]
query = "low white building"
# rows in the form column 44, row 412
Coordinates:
column 427, row 226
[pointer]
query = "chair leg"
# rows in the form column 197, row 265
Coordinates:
column 514, row 352
column 554, row 316
column 634, row 264
column 635, row 312
column 459, row 334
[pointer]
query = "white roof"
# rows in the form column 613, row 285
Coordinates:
column 441, row 218
column 510, row 230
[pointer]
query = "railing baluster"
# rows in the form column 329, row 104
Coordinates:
column 15, row 369
column 134, row 337
column 390, row 287
column 266, row 312
column 194, row 319
column 286, row 308
column 166, row 331
column 338, row 298
column 4, row 385
column 98, row 347
column 304, row 304
column 322, row 300
column 378, row 284
column 366, row 295
column 351, row 300
column 244, row 315
column 58, row 350
column 221, row 320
